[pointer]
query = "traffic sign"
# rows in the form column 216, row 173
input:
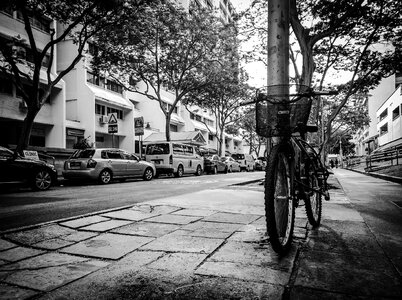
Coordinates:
column 113, row 118
column 112, row 128
column 139, row 126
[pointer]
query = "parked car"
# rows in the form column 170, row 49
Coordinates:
column 213, row 165
column 38, row 174
column 175, row 158
column 246, row 161
column 261, row 163
column 233, row 166
column 106, row 164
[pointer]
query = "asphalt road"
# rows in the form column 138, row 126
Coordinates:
column 22, row 207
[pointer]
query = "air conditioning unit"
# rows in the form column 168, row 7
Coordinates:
column 103, row 120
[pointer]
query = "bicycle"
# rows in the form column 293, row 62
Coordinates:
column 294, row 171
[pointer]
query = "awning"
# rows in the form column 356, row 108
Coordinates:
column 176, row 119
column 110, row 97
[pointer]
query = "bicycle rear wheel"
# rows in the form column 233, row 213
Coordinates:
column 313, row 202
column 279, row 206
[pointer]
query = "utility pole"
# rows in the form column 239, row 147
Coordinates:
column 278, row 50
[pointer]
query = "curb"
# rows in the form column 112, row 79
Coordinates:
column 380, row 176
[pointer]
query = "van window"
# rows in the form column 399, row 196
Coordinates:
column 189, row 150
column 153, row 149
column 177, row 149
column 238, row 156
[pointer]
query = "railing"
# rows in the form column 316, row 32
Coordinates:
column 391, row 157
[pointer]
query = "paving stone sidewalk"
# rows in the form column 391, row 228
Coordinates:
column 207, row 245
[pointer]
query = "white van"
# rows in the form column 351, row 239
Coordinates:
column 246, row 161
column 174, row 158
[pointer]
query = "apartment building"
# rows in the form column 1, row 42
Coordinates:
column 82, row 104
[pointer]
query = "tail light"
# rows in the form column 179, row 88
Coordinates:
column 91, row 163
column 171, row 159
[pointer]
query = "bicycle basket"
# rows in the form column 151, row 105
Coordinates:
column 280, row 109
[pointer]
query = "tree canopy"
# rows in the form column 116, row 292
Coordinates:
column 167, row 48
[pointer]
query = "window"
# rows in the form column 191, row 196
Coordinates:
column 93, row 49
column 395, row 113
column 384, row 129
column 115, row 87
column 39, row 22
column 177, row 149
column 95, row 79
column 6, row 86
column 114, row 155
column 189, row 150
column 210, row 137
column 198, row 118
column 154, row 149
column 100, row 109
column 173, row 128
column 192, row 116
column 384, row 114
column 119, row 112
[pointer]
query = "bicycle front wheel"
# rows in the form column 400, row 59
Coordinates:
column 279, row 206
column 313, row 202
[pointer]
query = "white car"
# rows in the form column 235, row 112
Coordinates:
column 233, row 166
column 105, row 164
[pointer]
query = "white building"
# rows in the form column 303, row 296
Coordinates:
column 81, row 104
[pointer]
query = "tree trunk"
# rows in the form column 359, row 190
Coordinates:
column 27, row 125
column 167, row 128
column 220, row 145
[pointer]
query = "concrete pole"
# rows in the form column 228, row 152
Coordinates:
column 278, row 43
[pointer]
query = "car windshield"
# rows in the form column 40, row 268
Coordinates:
column 238, row 156
column 153, row 149
column 86, row 153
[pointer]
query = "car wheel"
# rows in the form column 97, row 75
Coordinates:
column 180, row 171
column 105, row 177
column 148, row 174
column 199, row 171
column 42, row 180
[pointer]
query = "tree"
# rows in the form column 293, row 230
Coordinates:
column 227, row 88
column 344, row 36
column 166, row 49
column 78, row 20
column 248, row 124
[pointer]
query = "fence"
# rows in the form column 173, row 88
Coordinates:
column 391, row 157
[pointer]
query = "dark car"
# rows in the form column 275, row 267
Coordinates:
column 213, row 165
column 38, row 174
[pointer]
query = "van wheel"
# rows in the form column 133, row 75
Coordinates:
column 180, row 171
column 199, row 171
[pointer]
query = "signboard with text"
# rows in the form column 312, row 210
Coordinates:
column 139, row 126
column 31, row 154
column 112, row 128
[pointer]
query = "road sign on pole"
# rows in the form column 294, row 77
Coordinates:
column 112, row 128
column 113, row 118
column 139, row 126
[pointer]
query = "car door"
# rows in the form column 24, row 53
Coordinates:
column 134, row 167
column 117, row 163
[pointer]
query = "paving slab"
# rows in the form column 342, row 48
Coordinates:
column 173, row 219
column 45, row 260
column 33, row 236
column 253, row 254
column 194, row 212
column 85, row 221
column 79, row 236
column 251, row 273
column 223, row 200
column 340, row 212
column 4, row 245
column 178, row 262
column 343, row 273
column 130, row 214
column 235, row 218
column 19, row 253
column 8, row 292
column 108, row 245
column 210, row 229
column 147, row 229
column 156, row 209
column 47, row 279
column 178, row 242
column 105, row 226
